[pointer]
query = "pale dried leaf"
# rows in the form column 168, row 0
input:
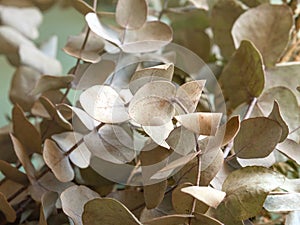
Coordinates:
column 57, row 161
column 73, row 200
column 104, row 104
column 282, row 202
column 290, row 148
column 80, row 156
column 201, row 4
column 201, row 123
column 131, row 14
column 47, row 206
column 210, row 196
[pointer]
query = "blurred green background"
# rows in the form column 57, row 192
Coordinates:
column 56, row 21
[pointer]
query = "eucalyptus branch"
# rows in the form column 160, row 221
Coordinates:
column 165, row 6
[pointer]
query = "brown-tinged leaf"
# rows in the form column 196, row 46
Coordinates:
column 47, row 207
column 153, row 158
column 189, row 95
column 289, row 108
column 146, row 75
column 94, row 74
column 91, row 51
column 202, row 219
column 47, row 83
column 104, row 104
column 111, row 143
column 25, row 131
column 228, row 131
column 57, row 161
column 256, row 25
column 25, row 20
column 276, row 115
column 73, row 200
column 107, row 211
column 80, row 156
column 151, row 104
column 170, row 220
column 150, row 37
column 246, row 82
column 12, row 173
column 7, row 209
column 11, row 40
column 7, row 152
column 82, row 7
column 174, row 165
column 23, row 158
column 257, row 137
column 223, row 15
column 209, row 196
column 200, row 123
column 183, row 202
column 246, row 190
column 33, row 57
column 282, row 202
column 55, row 114
column 23, row 82
column 131, row 14
column 291, row 149
column 132, row 199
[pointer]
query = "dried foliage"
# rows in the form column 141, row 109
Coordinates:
column 151, row 136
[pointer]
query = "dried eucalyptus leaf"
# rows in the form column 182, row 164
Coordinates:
column 23, row 158
column 47, row 83
column 150, row 37
column 12, row 173
column 100, row 29
column 151, row 104
column 275, row 115
column 47, row 207
column 22, row 84
column 289, row 108
column 146, row 75
column 286, row 75
column 82, row 7
column 189, row 94
column 183, row 202
column 73, row 200
column 257, row 137
column 131, row 14
column 172, row 166
column 11, row 40
column 107, row 211
column 7, row 209
column 57, row 161
column 223, row 15
column 265, row 161
column 80, row 156
column 200, row 4
column 293, row 218
column 170, row 220
column 245, row 82
column 291, row 149
column 104, row 104
column 7, row 152
column 209, row 196
column 282, row 202
column 231, row 128
column 91, row 51
column 246, row 190
column 94, row 74
column 49, row 46
column 201, row 123
column 254, row 3
column 256, row 25
column 25, row 20
column 182, row 140
column 26, row 132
